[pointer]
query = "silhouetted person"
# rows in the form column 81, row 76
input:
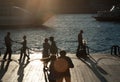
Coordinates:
column 53, row 47
column 8, row 44
column 64, row 72
column 46, row 48
column 46, row 52
column 24, row 48
column 52, row 72
column 80, row 40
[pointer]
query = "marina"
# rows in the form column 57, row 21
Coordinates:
column 35, row 36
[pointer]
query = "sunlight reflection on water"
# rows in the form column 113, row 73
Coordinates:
column 65, row 28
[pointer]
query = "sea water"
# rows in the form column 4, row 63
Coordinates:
column 99, row 36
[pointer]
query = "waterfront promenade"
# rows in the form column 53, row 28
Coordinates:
column 98, row 68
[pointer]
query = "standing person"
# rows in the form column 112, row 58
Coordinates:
column 66, row 63
column 53, row 47
column 52, row 72
column 46, row 47
column 46, row 52
column 80, row 40
column 24, row 48
column 8, row 44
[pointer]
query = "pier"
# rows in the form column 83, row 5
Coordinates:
column 98, row 68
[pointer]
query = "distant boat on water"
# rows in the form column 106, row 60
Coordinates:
column 112, row 15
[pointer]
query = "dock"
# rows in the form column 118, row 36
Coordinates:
column 98, row 68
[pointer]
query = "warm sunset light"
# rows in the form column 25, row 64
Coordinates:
column 59, row 40
column 39, row 8
column 37, row 5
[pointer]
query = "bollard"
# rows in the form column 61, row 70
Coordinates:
column 0, row 53
column 87, row 50
column 115, row 50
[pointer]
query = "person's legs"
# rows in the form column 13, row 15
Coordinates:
column 5, row 54
column 21, row 55
column 9, row 58
column 67, row 79
column 10, row 53
column 59, row 80
column 26, row 54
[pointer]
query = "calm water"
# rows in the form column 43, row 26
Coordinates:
column 100, row 36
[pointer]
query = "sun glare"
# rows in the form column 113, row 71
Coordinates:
column 37, row 5
column 39, row 8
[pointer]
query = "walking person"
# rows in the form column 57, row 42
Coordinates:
column 66, row 63
column 24, row 48
column 8, row 44
column 53, row 47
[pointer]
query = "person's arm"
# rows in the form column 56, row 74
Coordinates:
column 71, row 65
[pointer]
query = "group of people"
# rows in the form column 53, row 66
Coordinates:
column 49, row 48
column 8, row 44
column 60, row 64
column 57, row 60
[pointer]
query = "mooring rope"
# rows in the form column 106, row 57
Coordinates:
column 102, row 50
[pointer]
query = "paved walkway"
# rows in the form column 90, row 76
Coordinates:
column 98, row 68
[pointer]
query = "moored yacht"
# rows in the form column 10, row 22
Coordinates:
column 112, row 15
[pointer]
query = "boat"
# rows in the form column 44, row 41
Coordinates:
column 112, row 15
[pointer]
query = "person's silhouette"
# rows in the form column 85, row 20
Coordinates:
column 24, row 48
column 53, row 47
column 52, row 72
column 46, row 47
column 64, row 72
column 8, row 44
column 46, row 52
column 80, row 40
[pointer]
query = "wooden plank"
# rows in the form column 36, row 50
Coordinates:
column 99, row 68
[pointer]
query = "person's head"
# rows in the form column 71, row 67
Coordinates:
column 51, row 38
column 24, row 37
column 63, row 53
column 81, row 31
column 8, row 33
column 46, row 40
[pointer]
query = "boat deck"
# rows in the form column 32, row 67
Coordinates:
column 98, row 68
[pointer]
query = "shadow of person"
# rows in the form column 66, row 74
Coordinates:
column 4, row 68
column 20, row 72
column 97, row 70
